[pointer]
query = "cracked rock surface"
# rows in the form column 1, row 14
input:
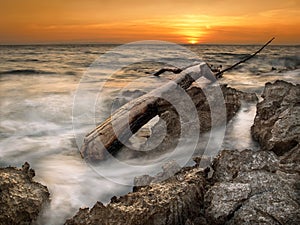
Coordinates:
column 252, row 188
column 277, row 122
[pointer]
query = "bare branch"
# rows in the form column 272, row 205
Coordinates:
column 219, row 74
column 162, row 70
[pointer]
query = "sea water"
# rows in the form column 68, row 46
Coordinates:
column 37, row 89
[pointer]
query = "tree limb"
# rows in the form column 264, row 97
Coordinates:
column 219, row 74
column 162, row 70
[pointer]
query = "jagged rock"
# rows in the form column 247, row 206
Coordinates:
column 253, row 188
column 169, row 125
column 270, row 207
column 143, row 180
column 21, row 198
column 277, row 122
column 228, row 164
column 173, row 201
column 223, row 200
column 232, row 100
column 169, row 169
column 290, row 160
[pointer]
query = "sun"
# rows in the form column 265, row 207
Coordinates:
column 192, row 41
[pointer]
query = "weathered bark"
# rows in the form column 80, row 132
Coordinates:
column 120, row 126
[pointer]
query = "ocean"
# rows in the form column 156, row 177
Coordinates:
column 52, row 95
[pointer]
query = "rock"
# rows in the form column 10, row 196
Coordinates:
column 228, row 164
column 173, row 201
column 253, row 188
column 203, row 161
column 169, row 169
column 290, row 161
column 169, row 126
column 247, row 187
column 224, row 199
column 232, row 100
column 143, row 180
column 21, row 198
column 269, row 207
column 277, row 122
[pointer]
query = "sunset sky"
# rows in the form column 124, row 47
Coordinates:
column 122, row 21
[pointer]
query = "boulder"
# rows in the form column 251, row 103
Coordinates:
column 21, row 198
column 253, row 188
column 277, row 122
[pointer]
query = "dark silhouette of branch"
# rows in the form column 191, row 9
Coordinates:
column 173, row 70
column 219, row 74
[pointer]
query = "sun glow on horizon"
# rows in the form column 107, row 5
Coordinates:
column 193, row 41
column 228, row 21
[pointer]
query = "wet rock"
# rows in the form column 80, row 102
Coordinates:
column 173, row 201
column 169, row 169
column 21, row 198
column 205, row 99
column 143, row 180
column 203, row 161
column 171, row 126
column 277, row 122
column 253, row 188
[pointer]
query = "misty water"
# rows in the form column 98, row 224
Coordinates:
column 39, row 86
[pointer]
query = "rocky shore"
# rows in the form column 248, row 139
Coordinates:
column 239, row 187
column 246, row 187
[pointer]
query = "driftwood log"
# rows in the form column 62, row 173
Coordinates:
column 127, row 120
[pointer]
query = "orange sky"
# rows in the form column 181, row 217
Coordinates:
column 122, row 21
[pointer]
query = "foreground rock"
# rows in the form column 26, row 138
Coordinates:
column 177, row 200
column 253, row 188
column 247, row 187
column 277, row 122
column 21, row 198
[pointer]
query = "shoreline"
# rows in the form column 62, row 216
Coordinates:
column 238, row 183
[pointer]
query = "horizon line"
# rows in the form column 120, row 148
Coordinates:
column 107, row 43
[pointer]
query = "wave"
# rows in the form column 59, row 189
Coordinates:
column 24, row 60
column 290, row 62
column 70, row 73
column 25, row 72
column 233, row 54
